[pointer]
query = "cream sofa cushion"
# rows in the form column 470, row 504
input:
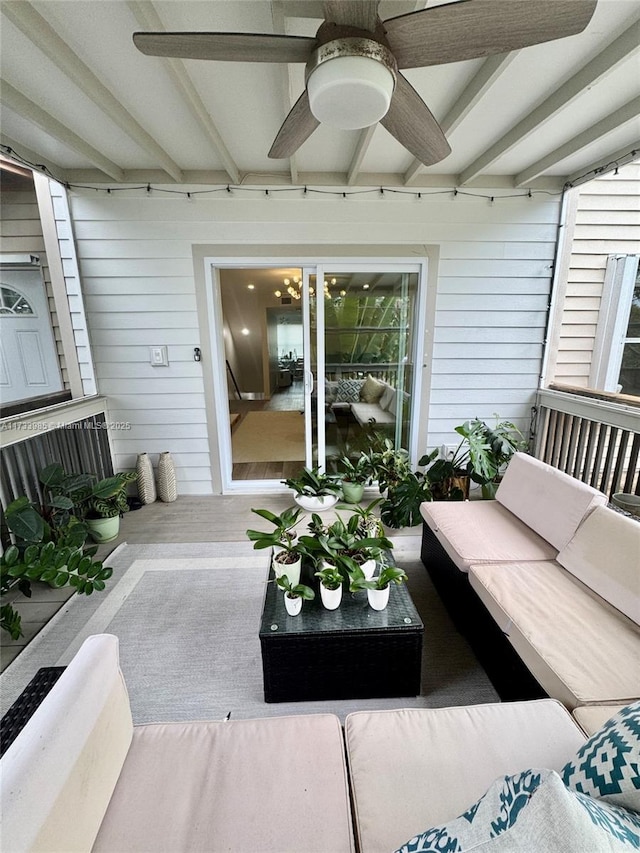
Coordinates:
column 58, row 776
column 483, row 532
column 549, row 501
column 580, row 648
column 591, row 718
column 420, row 767
column 366, row 413
column 274, row 785
column 605, row 555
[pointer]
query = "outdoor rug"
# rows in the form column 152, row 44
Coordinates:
column 187, row 617
column 267, row 436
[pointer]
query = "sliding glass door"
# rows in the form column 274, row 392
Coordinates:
column 319, row 363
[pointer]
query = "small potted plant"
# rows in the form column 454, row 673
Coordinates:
column 314, row 490
column 369, row 524
column 355, row 476
column 330, row 585
column 287, row 556
column 106, row 503
column 379, row 587
column 294, row 594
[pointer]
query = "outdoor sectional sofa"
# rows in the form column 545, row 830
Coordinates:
column 544, row 582
column 80, row 776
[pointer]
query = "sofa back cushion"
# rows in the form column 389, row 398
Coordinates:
column 58, row 776
column 549, row 501
column 605, row 555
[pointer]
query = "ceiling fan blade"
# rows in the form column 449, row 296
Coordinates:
column 410, row 120
column 227, row 47
column 473, row 28
column 362, row 14
column 296, row 129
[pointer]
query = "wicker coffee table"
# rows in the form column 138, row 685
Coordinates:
column 353, row 652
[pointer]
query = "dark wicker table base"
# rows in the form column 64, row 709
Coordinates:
column 22, row 709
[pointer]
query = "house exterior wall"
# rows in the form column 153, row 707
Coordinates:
column 607, row 222
column 490, row 271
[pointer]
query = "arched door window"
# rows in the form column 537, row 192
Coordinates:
column 12, row 302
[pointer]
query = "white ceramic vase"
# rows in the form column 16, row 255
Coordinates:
column 291, row 570
column 368, row 569
column 146, row 481
column 292, row 605
column 378, row 598
column 167, row 486
column 331, row 598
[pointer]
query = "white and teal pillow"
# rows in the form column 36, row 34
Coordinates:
column 533, row 811
column 607, row 766
column 592, row 805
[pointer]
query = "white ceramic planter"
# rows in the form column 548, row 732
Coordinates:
column 313, row 503
column 368, row 569
column 291, row 570
column 292, row 605
column 378, row 598
column 331, row 598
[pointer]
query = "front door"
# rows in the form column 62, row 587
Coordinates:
column 28, row 358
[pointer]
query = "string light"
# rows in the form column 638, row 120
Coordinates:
column 306, row 191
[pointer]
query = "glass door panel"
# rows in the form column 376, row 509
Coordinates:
column 369, row 353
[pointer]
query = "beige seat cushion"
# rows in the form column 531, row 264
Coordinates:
column 581, row 649
column 364, row 412
column 275, row 785
column 483, row 532
column 605, row 555
column 591, row 718
column 417, row 768
column 548, row 501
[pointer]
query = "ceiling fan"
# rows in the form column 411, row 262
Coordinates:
column 353, row 63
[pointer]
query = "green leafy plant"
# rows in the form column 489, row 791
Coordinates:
column 390, row 464
column 343, row 545
column 368, row 522
column 401, row 506
column 388, row 574
column 330, row 577
column 359, row 472
column 283, row 536
column 300, row 590
column 83, row 495
column 313, row 483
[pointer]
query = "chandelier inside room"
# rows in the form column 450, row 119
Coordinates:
column 294, row 288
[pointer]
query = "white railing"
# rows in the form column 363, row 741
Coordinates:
column 595, row 440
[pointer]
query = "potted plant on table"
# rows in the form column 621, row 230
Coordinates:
column 330, row 585
column 379, row 587
column 313, row 490
column 294, row 594
column 287, row 556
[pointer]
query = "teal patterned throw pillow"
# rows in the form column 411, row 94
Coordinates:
column 607, row 766
column 533, row 812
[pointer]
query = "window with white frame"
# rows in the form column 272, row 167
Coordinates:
column 616, row 357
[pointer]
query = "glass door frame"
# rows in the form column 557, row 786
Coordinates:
column 309, row 267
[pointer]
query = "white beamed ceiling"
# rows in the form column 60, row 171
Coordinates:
column 111, row 115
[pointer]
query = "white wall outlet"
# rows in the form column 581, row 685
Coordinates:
column 158, row 356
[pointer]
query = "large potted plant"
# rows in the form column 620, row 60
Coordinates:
column 480, row 456
column 314, row 490
column 287, row 556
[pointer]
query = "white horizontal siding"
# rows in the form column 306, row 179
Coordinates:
column 136, row 262
column 607, row 222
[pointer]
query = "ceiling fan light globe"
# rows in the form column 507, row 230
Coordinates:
column 350, row 92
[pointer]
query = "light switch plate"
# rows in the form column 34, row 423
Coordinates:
column 158, row 356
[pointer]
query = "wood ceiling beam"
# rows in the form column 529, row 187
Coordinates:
column 364, row 140
column 280, row 27
column 38, row 30
column 594, row 70
column 629, row 112
column 20, row 104
column 147, row 17
column 490, row 70
column 38, row 162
